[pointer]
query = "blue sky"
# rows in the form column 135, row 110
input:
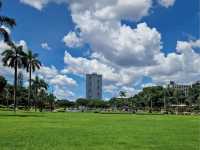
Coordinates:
column 50, row 22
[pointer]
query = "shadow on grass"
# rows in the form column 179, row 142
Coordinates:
column 129, row 113
column 20, row 115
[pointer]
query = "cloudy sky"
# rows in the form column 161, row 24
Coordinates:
column 133, row 43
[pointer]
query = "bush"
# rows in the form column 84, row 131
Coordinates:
column 60, row 110
column 3, row 83
column 96, row 112
column 21, row 107
column 3, row 106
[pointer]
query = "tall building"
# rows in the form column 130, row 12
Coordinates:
column 93, row 86
column 20, row 79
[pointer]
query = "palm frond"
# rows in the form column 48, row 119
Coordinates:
column 8, row 55
column 7, row 52
column 5, row 35
column 9, row 22
column 11, row 62
column 32, row 61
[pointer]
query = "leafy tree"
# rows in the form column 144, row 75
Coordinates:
column 42, row 98
column 9, row 94
column 122, row 94
column 98, row 103
column 113, row 102
column 194, row 93
column 22, row 94
column 38, row 86
column 65, row 103
column 14, row 58
column 198, row 103
column 20, row 79
column 51, row 99
column 151, row 97
column 32, row 63
column 117, row 102
column 92, row 103
column 3, row 83
column 82, row 102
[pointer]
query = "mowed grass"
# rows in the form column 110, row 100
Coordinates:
column 88, row 131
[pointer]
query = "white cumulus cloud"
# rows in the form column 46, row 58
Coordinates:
column 166, row 3
column 72, row 40
column 39, row 4
column 46, row 46
column 123, row 54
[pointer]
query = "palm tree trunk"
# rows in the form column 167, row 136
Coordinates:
column 7, row 103
column 15, row 88
column 36, row 96
column 35, row 105
column 29, row 92
column 51, row 103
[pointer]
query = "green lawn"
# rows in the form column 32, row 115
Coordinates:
column 88, row 131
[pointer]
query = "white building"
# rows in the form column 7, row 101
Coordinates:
column 179, row 87
column 93, row 86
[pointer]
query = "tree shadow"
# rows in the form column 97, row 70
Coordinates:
column 20, row 115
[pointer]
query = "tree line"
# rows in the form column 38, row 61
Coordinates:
column 40, row 98
column 155, row 98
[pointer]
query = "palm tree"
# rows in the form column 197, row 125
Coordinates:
column 8, row 22
column 43, row 98
column 32, row 63
column 51, row 99
column 35, row 86
column 14, row 58
column 3, row 83
column 38, row 86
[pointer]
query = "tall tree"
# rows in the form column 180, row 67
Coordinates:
column 14, row 58
column 3, row 83
column 122, row 94
column 8, row 22
column 38, row 85
column 51, row 99
column 20, row 79
column 35, row 86
column 32, row 64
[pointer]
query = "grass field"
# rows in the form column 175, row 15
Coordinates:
column 88, row 131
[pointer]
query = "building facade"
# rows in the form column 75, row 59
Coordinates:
column 93, row 86
column 179, row 87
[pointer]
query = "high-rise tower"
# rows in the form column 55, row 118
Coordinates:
column 93, row 86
